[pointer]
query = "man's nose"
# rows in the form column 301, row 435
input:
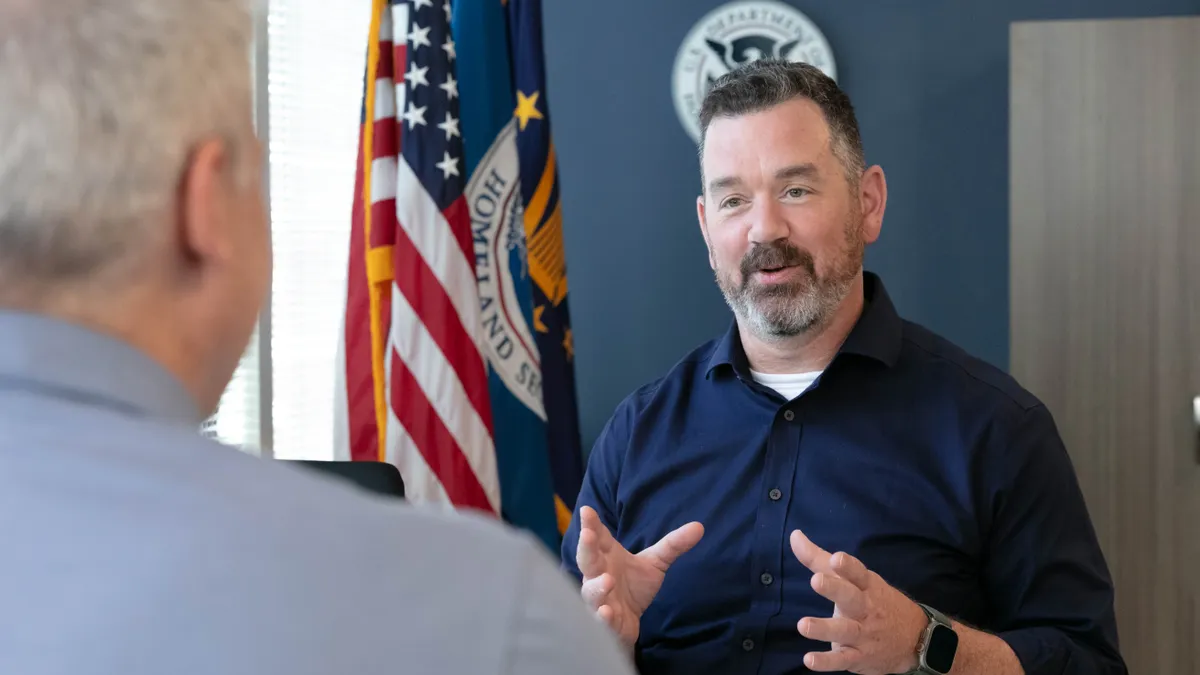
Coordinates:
column 767, row 223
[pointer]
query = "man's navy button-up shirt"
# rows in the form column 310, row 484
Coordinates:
column 938, row 471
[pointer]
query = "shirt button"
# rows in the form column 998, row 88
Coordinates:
column 775, row 494
column 789, row 415
column 766, row 578
column 748, row 644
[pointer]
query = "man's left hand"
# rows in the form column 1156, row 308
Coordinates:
column 874, row 629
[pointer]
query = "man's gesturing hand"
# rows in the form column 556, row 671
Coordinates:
column 618, row 585
column 874, row 629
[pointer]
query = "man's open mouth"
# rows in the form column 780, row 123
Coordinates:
column 771, row 270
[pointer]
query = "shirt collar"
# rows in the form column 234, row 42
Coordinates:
column 38, row 352
column 876, row 335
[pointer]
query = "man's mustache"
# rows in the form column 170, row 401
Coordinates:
column 775, row 255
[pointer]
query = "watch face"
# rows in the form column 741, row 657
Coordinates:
column 943, row 644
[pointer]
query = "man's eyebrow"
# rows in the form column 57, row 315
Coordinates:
column 723, row 182
column 807, row 170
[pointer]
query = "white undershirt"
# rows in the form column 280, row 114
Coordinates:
column 789, row 385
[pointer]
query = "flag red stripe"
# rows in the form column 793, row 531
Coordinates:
column 386, row 138
column 460, row 224
column 441, row 452
column 383, row 213
column 386, row 66
column 433, row 306
column 361, row 425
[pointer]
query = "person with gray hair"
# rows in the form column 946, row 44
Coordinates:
column 826, row 486
column 134, row 262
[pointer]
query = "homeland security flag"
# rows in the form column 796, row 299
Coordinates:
column 457, row 350
column 516, row 221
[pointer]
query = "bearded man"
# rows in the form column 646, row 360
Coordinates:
column 832, row 487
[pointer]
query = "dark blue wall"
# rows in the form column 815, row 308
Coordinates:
column 929, row 79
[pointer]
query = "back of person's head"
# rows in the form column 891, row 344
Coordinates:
column 130, row 176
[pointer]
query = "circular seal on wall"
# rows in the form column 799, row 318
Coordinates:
column 737, row 33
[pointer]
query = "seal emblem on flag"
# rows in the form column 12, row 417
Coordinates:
column 502, row 268
column 737, row 33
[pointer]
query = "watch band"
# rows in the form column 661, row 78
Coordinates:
column 935, row 615
column 936, row 619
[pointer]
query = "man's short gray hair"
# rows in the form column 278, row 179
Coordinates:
column 766, row 83
column 101, row 102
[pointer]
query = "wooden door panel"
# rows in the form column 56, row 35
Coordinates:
column 1105, row 281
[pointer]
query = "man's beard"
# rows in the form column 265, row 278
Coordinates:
column 791, row 308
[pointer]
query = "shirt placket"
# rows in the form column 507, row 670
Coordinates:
column 783, row 446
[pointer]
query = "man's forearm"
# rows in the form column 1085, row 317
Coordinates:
column 982, row 653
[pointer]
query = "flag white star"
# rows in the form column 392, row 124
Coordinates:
column 419, row 36
column 414, row 115
column 447, row 6
column 416, row 76
column 450, row 86
column 449, row 47
column 448, row 165
column 450, row 126
column 418, row 4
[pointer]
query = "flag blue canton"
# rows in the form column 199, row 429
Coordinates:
column 430, row 138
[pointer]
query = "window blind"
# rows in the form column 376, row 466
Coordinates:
column 316, row 55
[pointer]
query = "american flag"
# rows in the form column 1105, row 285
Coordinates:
column 412, row 273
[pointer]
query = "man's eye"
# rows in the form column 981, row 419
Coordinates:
column 797, row 193
column 732, row 202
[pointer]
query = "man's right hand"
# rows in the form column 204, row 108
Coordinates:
column 619, row 585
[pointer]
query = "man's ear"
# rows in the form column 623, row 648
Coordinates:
column 873, row 202
column 700, row 216
column 205, row 202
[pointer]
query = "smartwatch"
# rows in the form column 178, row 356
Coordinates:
column 939, row 644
